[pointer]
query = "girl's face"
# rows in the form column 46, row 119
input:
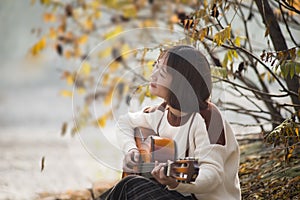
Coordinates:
column 160, row 78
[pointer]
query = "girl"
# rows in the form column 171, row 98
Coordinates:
column 181, row 76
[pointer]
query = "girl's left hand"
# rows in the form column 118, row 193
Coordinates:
column 159, row 174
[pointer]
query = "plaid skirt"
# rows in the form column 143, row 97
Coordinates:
column 137, row 187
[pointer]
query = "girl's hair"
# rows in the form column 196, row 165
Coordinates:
column 191, row 83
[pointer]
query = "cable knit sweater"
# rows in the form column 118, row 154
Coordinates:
column 211, row 141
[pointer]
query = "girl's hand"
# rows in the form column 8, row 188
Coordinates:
column 131, row 160
column 159, row 174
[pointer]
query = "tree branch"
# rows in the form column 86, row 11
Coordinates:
column 287, row 27
column 251, row 89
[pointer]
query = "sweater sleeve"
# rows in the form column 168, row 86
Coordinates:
column 211, row 164
column 128, row 122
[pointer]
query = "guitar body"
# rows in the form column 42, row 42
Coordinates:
column 154, row 148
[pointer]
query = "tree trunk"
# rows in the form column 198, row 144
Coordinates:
column 278, row 41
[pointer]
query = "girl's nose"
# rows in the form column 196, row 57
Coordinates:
column 153, row 75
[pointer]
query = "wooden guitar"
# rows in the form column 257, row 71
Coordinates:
column 154, row 148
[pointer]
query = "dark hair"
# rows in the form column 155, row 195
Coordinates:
column 191, row 84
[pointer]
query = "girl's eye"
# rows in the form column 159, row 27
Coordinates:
column 154, row 64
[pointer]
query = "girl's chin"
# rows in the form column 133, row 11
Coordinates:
column 152, row 91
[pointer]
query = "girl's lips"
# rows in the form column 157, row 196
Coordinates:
column 153, row 85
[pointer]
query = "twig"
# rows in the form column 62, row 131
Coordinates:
column 251, row 89
column 288, row 6
column 251, row 125
column 287, row 27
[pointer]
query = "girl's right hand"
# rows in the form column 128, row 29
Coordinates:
column 131, row 160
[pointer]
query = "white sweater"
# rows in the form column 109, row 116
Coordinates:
column 218, row 164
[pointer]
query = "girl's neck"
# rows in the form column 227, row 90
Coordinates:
column 176, row 112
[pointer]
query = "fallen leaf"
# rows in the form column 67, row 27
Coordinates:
column 42, row 163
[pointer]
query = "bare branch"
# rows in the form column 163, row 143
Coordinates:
column 287, row 27
column 251, row 89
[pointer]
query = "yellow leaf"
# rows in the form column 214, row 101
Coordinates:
column 46, row 2
column 34, row 50
column 52, row 33
column 187, row 23
column 129, row 11
column 142, row 98
column 125, row 50
column 205, row 3
column 105, row 79
column 117, row 80
column 235, row 54
column 200, row 13
column 126, row 89
column 68, row 54
column 118, row 29
column 237, row 41
column 108, row 97
column 40, row 45
column 147, row 93
column 174, row 19
column 217, row 39
column 88, row 24
column 262, row 75
column 70, row 79
column 148, row 70
column 207, row 19
column 139, row 89
column 229, row 53
column 105, row 53
column 43, row 43
column 110, row 3
column 148, row 23
column 95, row 4
column 102, row 121
column 77, row 52
column 150, row 65
column 290, row 152
column 223, row 35
column 66, row 93
column 227, row 32
column 152, row 97
column 225, row 61
column 203, row 33
column 97, row 14
column 49, row 17
column 81, row 90
column 82, row 39
column 114, row 66
column 85, row 68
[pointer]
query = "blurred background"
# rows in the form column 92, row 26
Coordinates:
column 32, row 113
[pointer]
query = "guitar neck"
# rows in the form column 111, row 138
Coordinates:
column 182, row 170
column 145, row 167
